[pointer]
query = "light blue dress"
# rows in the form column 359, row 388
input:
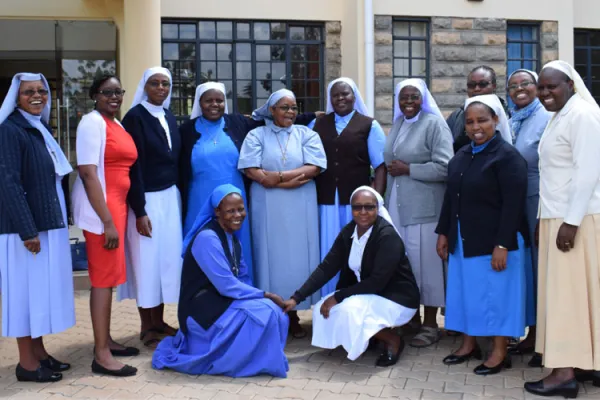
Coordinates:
column 285, row 222
column 248, row 339
column 527, row 141
column 214, row 163
column 481, row 301
column 332, row 218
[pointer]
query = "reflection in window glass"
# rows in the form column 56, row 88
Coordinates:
column 297, row 33
column 278, row 31
column 261, row 31
column 243, row 31
column 587, row 59
column 410, row 49
column 187, row 31
column 170, row 51
column 207, row 29
column 169, row 31
column 224, row 30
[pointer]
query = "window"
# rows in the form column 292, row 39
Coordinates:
column 411, row 49
column 251, row 58
column 587, row 59
column 523, row 46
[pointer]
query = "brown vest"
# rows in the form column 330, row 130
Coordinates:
column 348, row 163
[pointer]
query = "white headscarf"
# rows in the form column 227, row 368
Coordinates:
column 530, row 72
column 200, row 90
column 140, row 93
column 359, row 104
column 381, row 210
column 579, row 85
column 493, row 102
column 429, row 105
column 264, row 112
column 62, row 166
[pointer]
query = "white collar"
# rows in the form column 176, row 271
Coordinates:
column 366, row 235
column 413, row 119
column 156, row 111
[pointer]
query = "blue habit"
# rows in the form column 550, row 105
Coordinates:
column 214, row 163
column 246, row 340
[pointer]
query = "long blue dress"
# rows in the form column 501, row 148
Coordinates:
column 285, row 222
column 248, row 338
column 214, row 163
column 481, row 301
column 332, row 218
column 527, row 141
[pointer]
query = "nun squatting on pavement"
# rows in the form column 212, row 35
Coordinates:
column 242, row 220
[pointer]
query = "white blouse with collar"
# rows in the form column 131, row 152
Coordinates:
column 357, row 250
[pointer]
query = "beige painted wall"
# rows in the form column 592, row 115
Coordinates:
column 587, row 14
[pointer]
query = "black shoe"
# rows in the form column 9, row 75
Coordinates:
column 127, row 370
column 40, row 375
column 536, row 361
column 55, row 365
column 482, row 369
column 521, row 350
column 568, row 389
column 583, row 375
column 126, row 352
column 387, row 358
column 373, row 344
column 453, row 359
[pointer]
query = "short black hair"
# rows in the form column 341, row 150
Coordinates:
column 490, row 109
column 487, row 69
column 98, row 81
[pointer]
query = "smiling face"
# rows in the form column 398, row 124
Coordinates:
column 554, row 89
column 480, row 123
column 33, row 97
column 231, row 213
column 212, row 104
column 284, row 112
column 364, row 209
column 410, row 100
column 342, row 98
column 480, row 82
column 522, row 89
column 157, row 88
column 109, row 97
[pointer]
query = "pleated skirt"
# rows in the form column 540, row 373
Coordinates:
column 568, row 309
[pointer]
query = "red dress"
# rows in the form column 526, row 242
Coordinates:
column 107, row 267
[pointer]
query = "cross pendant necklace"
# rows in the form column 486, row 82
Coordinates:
column 283, row 151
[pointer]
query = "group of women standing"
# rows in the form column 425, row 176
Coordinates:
column 194, row 215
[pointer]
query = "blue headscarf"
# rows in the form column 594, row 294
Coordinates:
column 207, row 212
column 264, row 112
column 521, row 114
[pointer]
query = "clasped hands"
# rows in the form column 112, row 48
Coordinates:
column 289, row 305
column 272, row 179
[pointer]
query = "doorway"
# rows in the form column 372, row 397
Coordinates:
column 70, row 54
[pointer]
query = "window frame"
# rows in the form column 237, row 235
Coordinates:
column 234, row 40
column 426, row 39
column 587, row 79
column 521, row 42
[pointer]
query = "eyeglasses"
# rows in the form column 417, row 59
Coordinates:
column 481, row 84
column 366, row 207
column 31, row 92
column 155, row 84
column 111, row 93
column 522, row 85
column 413, row 97
column 288, row 108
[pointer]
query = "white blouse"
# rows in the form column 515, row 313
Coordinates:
column 357, row 250
column 569, row 174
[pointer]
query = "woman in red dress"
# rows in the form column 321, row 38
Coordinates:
column 105, row 154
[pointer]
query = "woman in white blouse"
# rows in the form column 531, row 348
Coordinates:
column 568, row 314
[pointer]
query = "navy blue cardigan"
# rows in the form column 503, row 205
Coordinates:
column 236, row 127
column 486, row 192
column 157, row 166
column 29, row 203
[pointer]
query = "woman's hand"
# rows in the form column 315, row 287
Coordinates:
column 144, row 226
column 33, row 245
column 275, row 298
column 327, row 306
column 442, row 247
column 294, row 183
column 565, row 240
column 289, row 305
column 398, row 168
column 499, row 256
column 270, row 180
column 111, row 235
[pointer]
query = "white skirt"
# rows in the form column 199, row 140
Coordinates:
column 37, row 290
column 355, row 320
column 154, row 264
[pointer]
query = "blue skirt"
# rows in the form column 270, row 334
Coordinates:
column 483, row 302
column 247, row 340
